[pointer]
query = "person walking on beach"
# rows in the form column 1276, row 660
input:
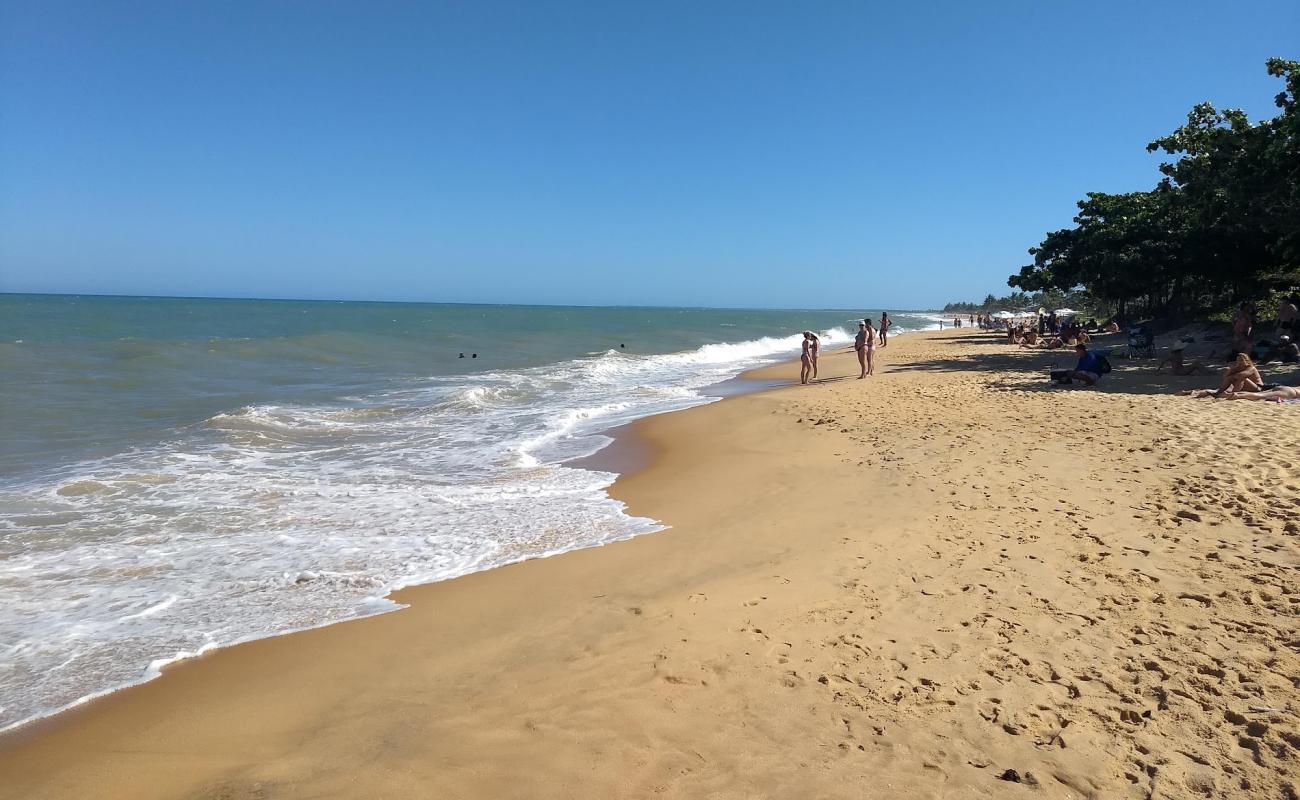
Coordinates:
column 884, row 328
column 805, row 359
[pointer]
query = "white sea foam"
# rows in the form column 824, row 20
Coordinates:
column 275, row 518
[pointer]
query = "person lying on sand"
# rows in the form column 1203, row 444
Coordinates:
column 1030, row 339
column 1175, row 362
column 1276, row 393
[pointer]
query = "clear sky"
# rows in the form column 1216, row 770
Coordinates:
column 800, row 154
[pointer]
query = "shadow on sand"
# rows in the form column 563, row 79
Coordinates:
column 1026, row 370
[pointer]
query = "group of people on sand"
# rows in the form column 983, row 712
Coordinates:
column 1242, row 381
column 865, row 342
column 868, row 338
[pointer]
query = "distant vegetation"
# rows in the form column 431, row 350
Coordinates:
column 1032, row 301
column 1222, row 227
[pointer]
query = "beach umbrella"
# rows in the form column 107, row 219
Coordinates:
column 1065, row 312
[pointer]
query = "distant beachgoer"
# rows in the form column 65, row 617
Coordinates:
column 805, row 359
column 869, row 348
column 814, row 350
column 1287, row 314
column 474, row 355
column 1175, row 361
column 1284, row 350
column 462, row 355
column 885, row 323
column 1113, row 327
column 1088, row 368
column 860, row 347
column 1242, row 325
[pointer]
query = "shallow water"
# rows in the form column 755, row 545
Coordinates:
column 181, row 474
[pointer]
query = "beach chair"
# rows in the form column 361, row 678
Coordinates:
column 1141, row 344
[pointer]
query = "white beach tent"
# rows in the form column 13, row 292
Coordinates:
column 1065, row 312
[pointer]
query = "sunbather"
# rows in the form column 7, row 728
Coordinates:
column 1276, row 393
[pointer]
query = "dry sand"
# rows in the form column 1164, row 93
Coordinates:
column 899, row 587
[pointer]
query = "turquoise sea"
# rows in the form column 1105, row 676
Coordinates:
column 182, row 474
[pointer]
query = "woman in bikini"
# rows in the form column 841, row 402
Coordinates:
column 1242, row 376
column 1276, row 393
column 860, row 347
column 805, row 360
column 814, row 350
column 867, row 355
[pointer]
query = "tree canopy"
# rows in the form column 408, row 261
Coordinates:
column 1221, row 227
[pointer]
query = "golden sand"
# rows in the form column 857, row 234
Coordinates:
column 907, row 586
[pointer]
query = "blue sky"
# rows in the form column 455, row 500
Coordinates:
column 727, row 154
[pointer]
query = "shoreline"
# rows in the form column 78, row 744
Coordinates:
column 625, row 453
column 662, row 651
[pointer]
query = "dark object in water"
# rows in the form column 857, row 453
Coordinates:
column 474, row 355
column 462, row 355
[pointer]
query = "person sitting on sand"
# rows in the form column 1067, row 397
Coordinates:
column 1088, row 368
column 1175, row 362
column 805, row 359
column 1241, row 376
column 1285, row 351
column 1113, row 327
column 1030, row 338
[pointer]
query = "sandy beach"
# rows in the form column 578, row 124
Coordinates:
column 947, row 580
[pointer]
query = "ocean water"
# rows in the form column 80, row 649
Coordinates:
column 181, row 474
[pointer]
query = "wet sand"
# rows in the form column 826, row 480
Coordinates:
column 918, row 585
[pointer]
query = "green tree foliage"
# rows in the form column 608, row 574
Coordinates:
column 1221, row 227
column 1021, row 301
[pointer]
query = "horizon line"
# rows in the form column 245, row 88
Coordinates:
column 431, row 302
